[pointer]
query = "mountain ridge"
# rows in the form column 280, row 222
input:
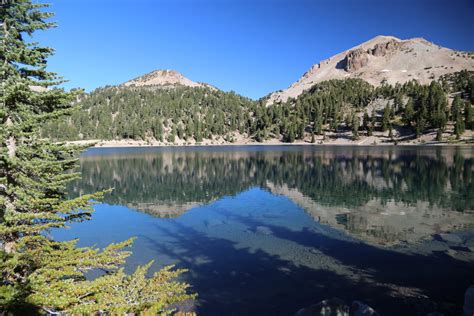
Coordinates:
column 383, row 58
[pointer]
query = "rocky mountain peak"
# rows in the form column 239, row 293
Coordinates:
column 359, row 57
column 162, row 77
column 384, row 48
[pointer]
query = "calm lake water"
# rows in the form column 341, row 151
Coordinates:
column 269, row 230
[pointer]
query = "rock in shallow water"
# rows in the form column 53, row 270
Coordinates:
column 330, row 307
column 337, row 307
column 469, row 243
column 451, row 238
column 361, row 309
column 263, row 230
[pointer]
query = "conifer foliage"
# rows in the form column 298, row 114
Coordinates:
column 39, row 274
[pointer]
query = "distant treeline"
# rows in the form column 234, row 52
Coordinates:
column 166, row 114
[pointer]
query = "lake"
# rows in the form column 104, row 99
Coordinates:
column 268, row 230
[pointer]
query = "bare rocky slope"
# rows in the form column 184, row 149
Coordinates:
column 163, row 78
column 383, row 59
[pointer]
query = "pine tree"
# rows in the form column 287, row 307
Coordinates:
column 290, row 134
column 301, row 128
column 260, row 136
column 318, row 125
column 456, row 107
column 457, row 117
column 158, row 130
column 39, row 273
column 172, row 135
column 437, row 105
column 355, row 125
column 420, row 126
column 408, row 113
column 180, row 131
column 386, row 118
column 459, row 126
column 398, row 102
column 468, row 115
column 439, row 135
column 189, row 129
column 366, row 121
column 198, row 131
column 373, row 122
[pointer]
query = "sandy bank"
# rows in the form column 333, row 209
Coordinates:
column 342, row 141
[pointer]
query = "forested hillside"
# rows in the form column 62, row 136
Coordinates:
column 338, row 105
column 329, row 108
column 163, row 114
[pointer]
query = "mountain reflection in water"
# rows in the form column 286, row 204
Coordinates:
column 268, row 230
column 382, row 196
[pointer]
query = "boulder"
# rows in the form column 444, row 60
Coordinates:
column 337, row 307
column 361, row 309
column 355, row 60
column 450, row 238
column 469, row 243
column 330, row 307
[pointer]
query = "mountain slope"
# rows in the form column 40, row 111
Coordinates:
column 383, row 59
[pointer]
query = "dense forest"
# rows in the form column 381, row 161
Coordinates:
column 164, row 114
column 194, row 114
column 339, row 105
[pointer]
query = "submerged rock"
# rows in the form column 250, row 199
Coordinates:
column 337, row 307
column 450, row 238
column 330, row 307
column 264, row 230
column 361, row 309
column 469, row 301
column 213, row 222
column 469, row 244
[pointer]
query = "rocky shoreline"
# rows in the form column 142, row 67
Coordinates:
column 363, row 141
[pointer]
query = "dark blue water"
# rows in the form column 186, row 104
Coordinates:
column 268, row 230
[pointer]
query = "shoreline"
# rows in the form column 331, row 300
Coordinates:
column 143, row 144
column 329, row 139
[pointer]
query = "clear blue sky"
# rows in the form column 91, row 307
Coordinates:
column 253, row 47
